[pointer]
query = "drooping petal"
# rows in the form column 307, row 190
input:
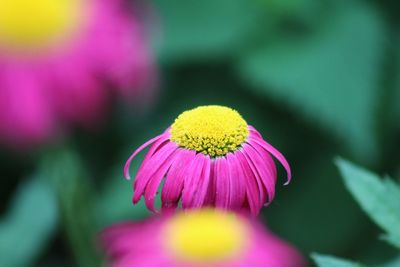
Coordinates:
column 173, row 184
column 222, row 183
column 129, row 161
column 156, row 146
column 196, row 183
column 253, row 131
column 261, row 170
column 200, row 196
column 255, row 194
column 209, row 199
column 152, row 167
column 265, row 155
column 154, row 183
column 192, row 180
column 238, row 183
column 278, row 155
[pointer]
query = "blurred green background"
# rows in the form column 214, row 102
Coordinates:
column 318, row 78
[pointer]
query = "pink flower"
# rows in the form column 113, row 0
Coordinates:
column 58, row 60
column 197, row 238
column 209, row 157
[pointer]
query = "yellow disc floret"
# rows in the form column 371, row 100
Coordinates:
column 212, row 130
column 205, row 236
column 27, row 25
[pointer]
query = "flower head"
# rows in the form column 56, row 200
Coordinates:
column 202, row 237
column 209, row 156
column 57, row 60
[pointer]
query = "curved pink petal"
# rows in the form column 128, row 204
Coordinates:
column 154, row 183
column 261, row 170
column 238, row 183
column 196, row 182
column 253, row 131
column 151, row 168
column 278, row 155
column 129, row 161
column 174, row 180
column 154, row 148
column 255, row 194
column 192, row 180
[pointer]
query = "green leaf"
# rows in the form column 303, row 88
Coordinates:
column 28, row 226
column 331, row 77
column 379, row 198
column 64, row 169
column 206, row 28
column 329, row 261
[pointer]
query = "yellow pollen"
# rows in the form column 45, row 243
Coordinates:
column 27, row 25
column 211, row 130
column 205, row 236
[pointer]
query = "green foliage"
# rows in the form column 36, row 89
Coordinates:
column 379, row 198
column 393, row 263
column 63, row 168
column 332, row 76
column 329, row 261
column 207, row 28
column 112, row 207
column 29, row 224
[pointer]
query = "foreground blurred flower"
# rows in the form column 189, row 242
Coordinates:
column 197, row 238
column 210, row 157
column 53, row 56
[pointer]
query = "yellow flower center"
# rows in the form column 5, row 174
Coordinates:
column 205, row 236
column 212, row 130
column 26, row 25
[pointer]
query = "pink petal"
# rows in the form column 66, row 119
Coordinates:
column 173, row 184
column 152, row 167
column 255, row 194
column 261, row 169
column 238, row 182
column 253, row 131
column 222, row 183
column 278, row 155
column 129, row 161
column 209, row 199
column 192, row 179
column 25, row 116
column 196, row 182
column 154, row 183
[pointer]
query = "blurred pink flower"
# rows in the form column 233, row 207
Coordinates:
column 58, row 61
column 209, row 157
column 197, row 238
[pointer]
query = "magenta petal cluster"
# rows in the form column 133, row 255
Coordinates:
column 145, row 244
column 70, row 83
column 240, row 180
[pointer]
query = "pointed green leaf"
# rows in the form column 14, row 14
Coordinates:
column 332, row 76
column 379, row 198
column 329, row 261
column 29, row 224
